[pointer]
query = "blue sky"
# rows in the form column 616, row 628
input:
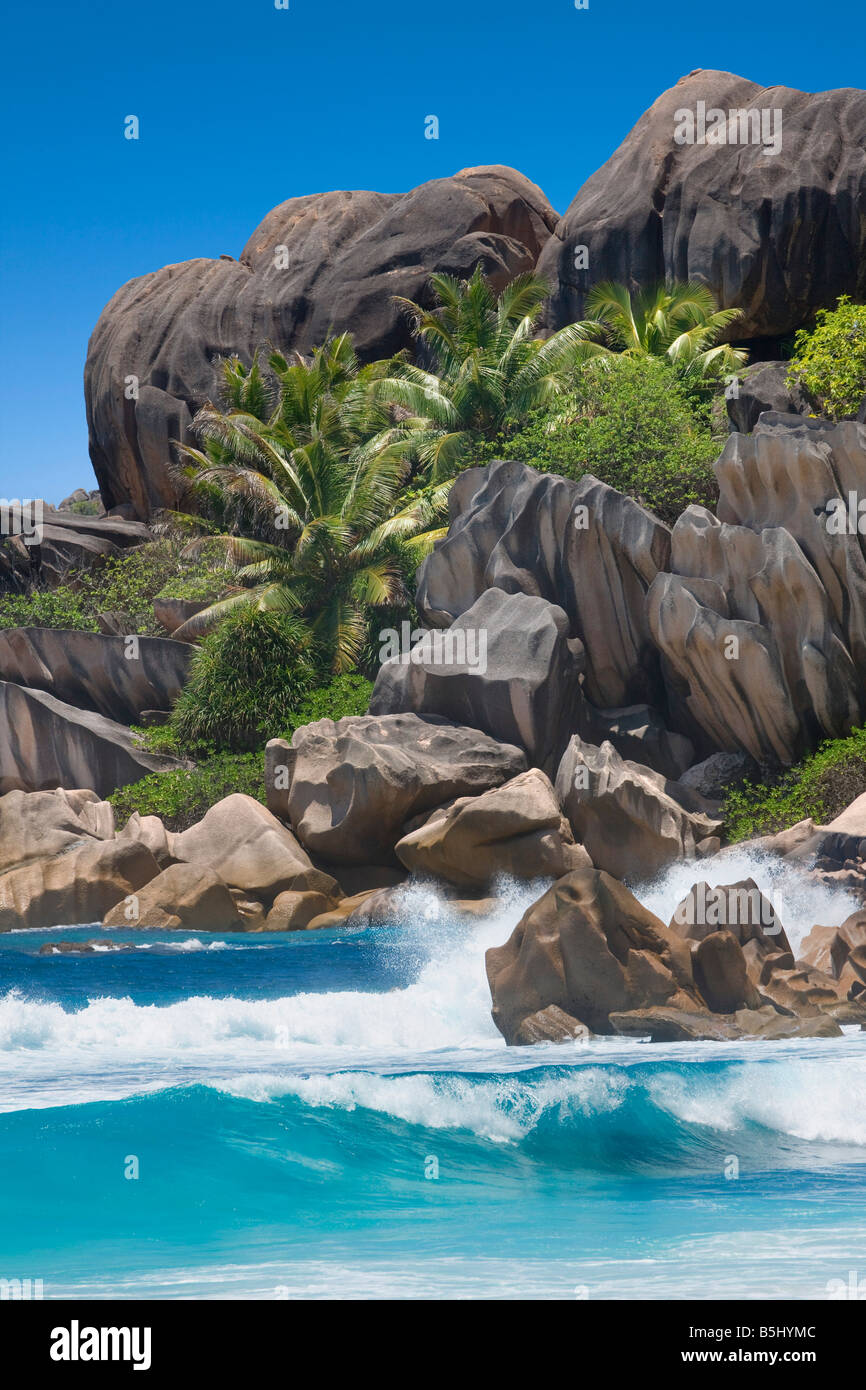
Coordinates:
column 242, row 106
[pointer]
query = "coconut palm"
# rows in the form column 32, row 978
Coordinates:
column 486, row 367
column 680, row 322
column 307, row 487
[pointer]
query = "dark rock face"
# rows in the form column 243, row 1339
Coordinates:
column 68, row 542
column 764, row 386
column 348, row 787
column 762, row 622
column 506, row 666
column 325, row 263
column 45, row 743
column 583, row 546
column 778, row 235
column 93, row 671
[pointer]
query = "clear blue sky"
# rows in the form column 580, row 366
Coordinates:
column 243, row 105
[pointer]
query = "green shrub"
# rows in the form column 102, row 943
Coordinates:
column 181, row 797
column 830, row 360
column 244, row 679
column 61, row 607
column 821, row 786
column 634, row 425
column 345, row 695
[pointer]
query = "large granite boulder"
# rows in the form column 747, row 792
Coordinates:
column 45, row 743
column 242, row 841
column 505, row 666
column 186, row 896
column 778, row 232
column 517, row 830
column 763, row 387
column 324, row 263
column 583, row 546
column 348, row 787
column 76, row 887
column 589, row 948
column 38, row 825
column 631, row 820
column 114, row 676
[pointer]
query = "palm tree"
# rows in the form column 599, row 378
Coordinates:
column 307, row 488
column 679, row 322
column 487, row 367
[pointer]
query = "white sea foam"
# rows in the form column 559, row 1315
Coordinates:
column 800, row 902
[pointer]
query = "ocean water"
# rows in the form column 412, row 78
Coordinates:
column 333, row 1115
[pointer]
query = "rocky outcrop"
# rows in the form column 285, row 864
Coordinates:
column 329, row 262
column 778, row 232
column 348, row 787
column 505, row 666
column 589, row 948
column 631, row 820
column 242, row 841
column 517, row 830
column 762, row 387
column 117, row 677
column 76, row 887
column 67, row 542
column 183, row 895
column 39, row 825
column 582, row 546
column 840, row 952
column 45, row 743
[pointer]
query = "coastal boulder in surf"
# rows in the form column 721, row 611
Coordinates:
column 76, row 887
column 183, row 895
column 590, row 948
column 632, row 821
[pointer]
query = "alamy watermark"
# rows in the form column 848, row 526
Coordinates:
column 22, row 518
column 738, row 126
column 451, row 646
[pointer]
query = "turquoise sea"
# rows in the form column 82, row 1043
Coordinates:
column 333, row 1115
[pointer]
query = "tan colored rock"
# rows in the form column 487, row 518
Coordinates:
column 339, row 915
column 740, row 908
column 631, row 821
column 36, row 825
column 150, row 831
column 590, row 948
column 517, row 829
column 183, row 895
column 721, row 974
column 662, row 1024
column 75, row 887
column 295, row 911
column 249, row 848
column 551, row 1025
column 839, row 952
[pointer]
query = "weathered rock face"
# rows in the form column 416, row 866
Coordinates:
column 517, row 829
column 752, row 646
column 325, row 263
column 347, row 787
column 251, row 849
column 840, row 952
column 76, row 887
column 589, row 948
column 69, row 541
column 183, row 895
column 95, row 672
column 506, row 666
column 798, row 474
column 778, row 235
column 45, row 743
column 764, row 386
column 41, row 824
column 631, row 821
column 582, row 546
